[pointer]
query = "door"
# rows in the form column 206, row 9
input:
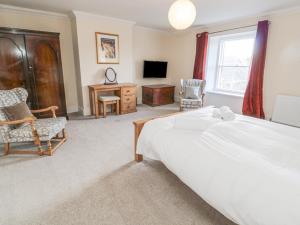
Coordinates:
column 44, row 60
column 13, row 62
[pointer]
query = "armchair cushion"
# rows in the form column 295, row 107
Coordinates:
column 18, row 112
column 46, row 129
column 191, row 92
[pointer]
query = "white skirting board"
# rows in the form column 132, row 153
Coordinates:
column 287, row 110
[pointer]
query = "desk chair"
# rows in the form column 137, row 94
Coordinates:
column 109, row 100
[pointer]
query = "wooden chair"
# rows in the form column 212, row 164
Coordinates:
column 114, row 101
column 36, row 130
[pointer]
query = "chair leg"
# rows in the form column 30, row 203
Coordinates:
column 40, row 149
column 37, row 141
column 39, row 146
column 50, row 150
column 118, row 107
column 64, row 133
column 6, row 148
column 104, row 109
column 99, row 104
column 112, row 108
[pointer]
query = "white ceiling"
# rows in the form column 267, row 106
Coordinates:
column 154, row 13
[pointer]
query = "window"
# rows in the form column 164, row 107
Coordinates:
column 229, row 61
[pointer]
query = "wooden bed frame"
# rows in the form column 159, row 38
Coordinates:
column 138, row 126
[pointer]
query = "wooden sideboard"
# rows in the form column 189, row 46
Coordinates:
column 159, row 94
column 126, row 91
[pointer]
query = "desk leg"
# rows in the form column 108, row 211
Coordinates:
column 96, row 107
column 92, row 102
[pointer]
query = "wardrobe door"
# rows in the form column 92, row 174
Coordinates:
column 13, row 63
column 44, row 59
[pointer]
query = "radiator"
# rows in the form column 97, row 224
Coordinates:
column 287, row 110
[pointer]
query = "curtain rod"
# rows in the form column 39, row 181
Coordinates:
column 237, row 28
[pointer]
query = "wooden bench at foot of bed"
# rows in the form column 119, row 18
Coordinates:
column 138, row 126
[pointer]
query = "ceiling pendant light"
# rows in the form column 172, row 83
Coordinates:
column 182, row 14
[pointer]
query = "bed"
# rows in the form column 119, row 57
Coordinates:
column 248, row 169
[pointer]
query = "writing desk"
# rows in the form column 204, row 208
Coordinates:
column 126, row 92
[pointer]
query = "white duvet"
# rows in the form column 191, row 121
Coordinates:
column 248, row 169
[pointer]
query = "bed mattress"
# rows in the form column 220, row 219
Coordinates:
column 248, row 169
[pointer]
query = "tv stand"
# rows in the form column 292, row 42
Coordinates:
column 158, row 94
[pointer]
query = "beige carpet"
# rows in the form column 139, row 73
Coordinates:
column 92, row 180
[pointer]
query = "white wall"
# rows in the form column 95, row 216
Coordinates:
column 90, row 71
column 150, row 44
column 282, row 71
column 136, row 45
column 43, row 21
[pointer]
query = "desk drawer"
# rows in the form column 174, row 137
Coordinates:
column 128, row 107
column 128, row 91
column 127, row 99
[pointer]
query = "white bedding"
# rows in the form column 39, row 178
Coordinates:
column 248, row 169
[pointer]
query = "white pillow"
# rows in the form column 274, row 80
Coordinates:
column 226, row 113
column 191, row 92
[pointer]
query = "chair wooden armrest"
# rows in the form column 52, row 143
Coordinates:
column 51, row 108
column 16, row 122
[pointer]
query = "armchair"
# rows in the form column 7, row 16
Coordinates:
column 35, row 130
column 187, row 103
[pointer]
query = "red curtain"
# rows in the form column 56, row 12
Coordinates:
column 253, row 99
column 200, row 59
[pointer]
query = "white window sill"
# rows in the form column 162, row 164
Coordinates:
column 226, row 94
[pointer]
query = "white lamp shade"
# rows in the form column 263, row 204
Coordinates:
column 182, row 14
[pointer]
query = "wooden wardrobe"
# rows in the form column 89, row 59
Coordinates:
column 31, row 59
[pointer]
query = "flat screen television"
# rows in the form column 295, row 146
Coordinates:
column 155, row 69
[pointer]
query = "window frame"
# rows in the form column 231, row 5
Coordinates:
column 250, row 34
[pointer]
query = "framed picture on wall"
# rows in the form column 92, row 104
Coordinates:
column 107, row 48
